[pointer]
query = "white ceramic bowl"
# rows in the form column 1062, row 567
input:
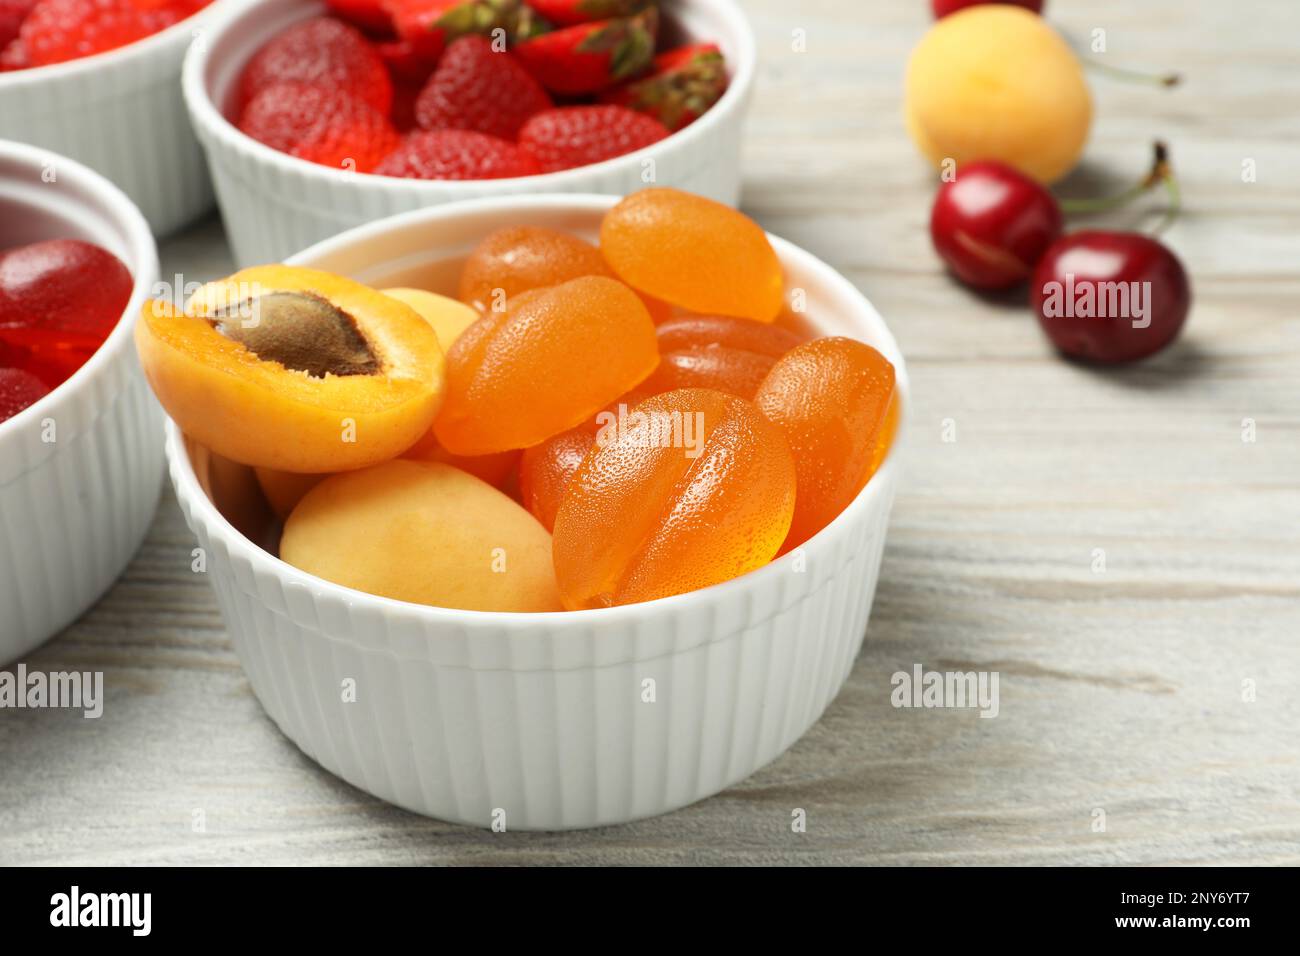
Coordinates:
column 274, row 204
column 468, row 715
column 73, row 510
column 121, row 113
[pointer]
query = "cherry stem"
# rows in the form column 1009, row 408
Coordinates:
column 1133, row 76
column 1161, row 172
column 1175, row 194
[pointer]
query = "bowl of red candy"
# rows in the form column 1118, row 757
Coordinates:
column 317, row 117
column 98, row 80
column 80, row 437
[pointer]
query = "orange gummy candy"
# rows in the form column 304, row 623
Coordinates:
column 832, row 399
column 545, row 470
column 518, row 258
column 555, row 357
column 495, row 469
column 521, row 258
column 731, row 355
column 691, row 488
column 693, row 252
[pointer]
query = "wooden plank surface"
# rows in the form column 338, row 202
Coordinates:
column 1121, row 690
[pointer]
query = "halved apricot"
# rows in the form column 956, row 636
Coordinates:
column 294, row 369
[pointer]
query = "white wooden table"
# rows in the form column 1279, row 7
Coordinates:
column 1121, row 689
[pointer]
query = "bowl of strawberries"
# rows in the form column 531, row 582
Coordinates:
column 98, row 81
column 320, row 116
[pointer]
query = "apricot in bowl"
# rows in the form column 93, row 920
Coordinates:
column 284, row 489
column 447, row 316
column 423, row 532
column 294, row 369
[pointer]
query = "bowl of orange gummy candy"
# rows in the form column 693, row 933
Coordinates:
column 538, row 512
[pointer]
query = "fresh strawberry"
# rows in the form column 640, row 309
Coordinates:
column 12, row 14
column 406, row 64
column 403, row 111
column 179, row 8
column 566, row 13
column 18, row 389
column 326, row 126
column 59, row 30
column 14, row 56
column 685, row 82
column 430, row 25
column 592, row 56
column 369, row 15
column 580, row 135
column 456, row 154
column 322, row 52
column 479, row 89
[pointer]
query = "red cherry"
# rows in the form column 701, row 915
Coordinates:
column 1110, row 297
column 944, row 7
column 992, row 224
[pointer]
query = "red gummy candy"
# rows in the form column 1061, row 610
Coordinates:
column 18, row 389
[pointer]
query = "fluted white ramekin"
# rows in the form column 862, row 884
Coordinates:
column 274, row 204
column 547, row 721
column 81, row 469
column 121, row 113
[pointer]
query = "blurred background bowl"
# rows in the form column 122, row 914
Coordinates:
column 121, row 113
column 275, row 204
column 73, row 510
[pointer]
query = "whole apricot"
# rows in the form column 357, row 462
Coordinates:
column 423, row 532
column 448, row 317
column 284, row 489
column 995, row 82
